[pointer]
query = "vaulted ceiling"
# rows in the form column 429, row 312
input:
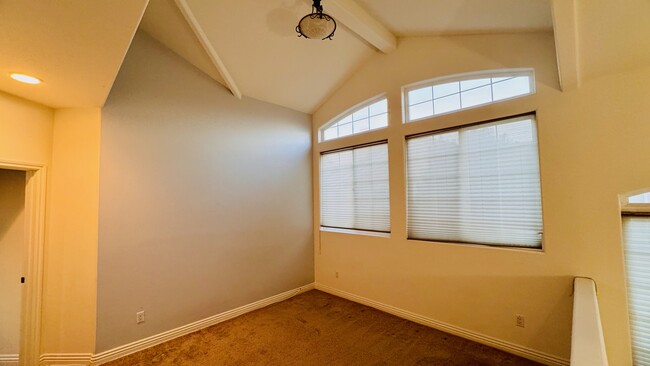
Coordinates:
column 75, row 46
column 251, row 48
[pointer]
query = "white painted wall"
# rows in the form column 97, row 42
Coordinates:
column 593, row 146
column 12, row 238
column 205, row 200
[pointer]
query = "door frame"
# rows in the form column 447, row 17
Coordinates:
column 31, row 301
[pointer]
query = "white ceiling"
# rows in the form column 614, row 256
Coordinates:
column 260, row 48
column 257, row 42
column 435, row 17
column 76, row 47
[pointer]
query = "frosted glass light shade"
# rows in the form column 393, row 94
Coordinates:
column 316, row 26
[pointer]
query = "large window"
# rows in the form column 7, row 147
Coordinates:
column 452, row 93
column 354, row 188
column 636, row 233
column 476, row 184
column 370, row 115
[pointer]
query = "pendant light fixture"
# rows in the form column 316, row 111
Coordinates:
column 316, row 25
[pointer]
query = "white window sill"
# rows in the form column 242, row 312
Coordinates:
column 355, row 232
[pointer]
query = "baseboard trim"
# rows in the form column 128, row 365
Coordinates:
column 145, row 343
column 516, row 349
column 66, row 359
column 8, row 360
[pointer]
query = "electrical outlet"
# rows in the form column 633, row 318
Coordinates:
column 521, row 321
column 336, row 274
column 139, row 317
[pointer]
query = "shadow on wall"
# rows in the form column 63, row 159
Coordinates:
column 12, row 198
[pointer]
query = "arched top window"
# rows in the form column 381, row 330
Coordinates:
column 462, row 91
column 639, row 198
column 369, row 115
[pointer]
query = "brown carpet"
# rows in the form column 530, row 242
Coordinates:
column 316, row 328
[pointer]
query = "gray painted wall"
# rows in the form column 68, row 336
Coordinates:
column 12, row 239
column 205, row 200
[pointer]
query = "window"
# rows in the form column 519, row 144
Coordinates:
column 639, row 198
column 636, row 234
column 456, row 92
column 354, row 188
column 371, row 116
column 476, row 184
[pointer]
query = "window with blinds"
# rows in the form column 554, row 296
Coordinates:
column 476, row 184
column 354, row 189
column 636, row 234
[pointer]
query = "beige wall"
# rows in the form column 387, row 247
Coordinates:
column 70, row 282
column 12, row 239
column 205, row 200
column 593, row 146
column 26, row 131
column 66, row 142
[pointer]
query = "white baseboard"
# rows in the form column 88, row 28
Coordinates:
column 516, row 349
column 8, row 360
column 66, row 359
column 145, row 343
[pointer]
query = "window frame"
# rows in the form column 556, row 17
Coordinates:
column 516, row 72
column 542, row 246
column 352, row 110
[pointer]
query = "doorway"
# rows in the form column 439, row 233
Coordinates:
column 12, row 248
column 22, row 227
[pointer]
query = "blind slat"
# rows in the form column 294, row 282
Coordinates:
column 478, row 184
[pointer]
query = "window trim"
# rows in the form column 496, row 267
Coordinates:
column 516, row 72
column 351, row 110
column 542, row 247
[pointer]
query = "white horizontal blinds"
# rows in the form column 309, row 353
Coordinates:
column 477, row 184
column 636, row 230
column 369, row 117
column 457, row 92
column 354, row 188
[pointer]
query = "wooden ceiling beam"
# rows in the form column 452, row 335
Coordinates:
column 209, row 49
column 565, row 31
column 360, row 22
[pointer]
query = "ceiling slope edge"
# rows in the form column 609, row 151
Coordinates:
column 126, row 49
column 164, row 22
column 209, row 48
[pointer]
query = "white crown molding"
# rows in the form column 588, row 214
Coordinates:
column 516, row 349
column 145, row 343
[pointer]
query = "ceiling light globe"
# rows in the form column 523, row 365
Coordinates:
column 317, row 26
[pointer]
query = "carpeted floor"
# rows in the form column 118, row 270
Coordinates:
column 316, row 328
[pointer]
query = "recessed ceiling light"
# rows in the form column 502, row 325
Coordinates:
column 27, row 79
